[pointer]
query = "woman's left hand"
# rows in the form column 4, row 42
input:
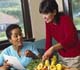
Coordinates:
column 47, row 54
column 29, row 53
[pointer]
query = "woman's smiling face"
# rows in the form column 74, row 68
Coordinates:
column 49, row 16
column 16, row 37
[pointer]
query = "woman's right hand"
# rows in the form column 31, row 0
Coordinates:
column 5, row 66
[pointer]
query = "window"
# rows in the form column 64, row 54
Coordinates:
column 15, row 12
column 10, row 13
column 72, row 7
column 76, row 13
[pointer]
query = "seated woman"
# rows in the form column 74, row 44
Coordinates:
column 23, row 51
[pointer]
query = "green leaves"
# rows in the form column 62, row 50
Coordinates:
column 33, row 64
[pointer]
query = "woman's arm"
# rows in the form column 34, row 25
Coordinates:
column 49, row 52
column 57, row 46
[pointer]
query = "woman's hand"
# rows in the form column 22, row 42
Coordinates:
column 29, row 53
column 47, row 54
column 5, row 66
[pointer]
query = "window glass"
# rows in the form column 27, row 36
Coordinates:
column 76, row 13
column 10, row 13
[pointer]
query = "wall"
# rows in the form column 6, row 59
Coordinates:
column 38, row 26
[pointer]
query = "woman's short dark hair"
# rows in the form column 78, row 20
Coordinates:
column 10, row 28
column 48, row 6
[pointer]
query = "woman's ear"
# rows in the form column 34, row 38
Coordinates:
column 10, row 40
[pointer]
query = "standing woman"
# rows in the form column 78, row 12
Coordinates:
column 62, row 29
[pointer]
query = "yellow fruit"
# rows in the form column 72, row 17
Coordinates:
column 52, row 67
column 59, row 67
column 40, row 66
column 45, row 68
column 53, row 60
column 47, row 63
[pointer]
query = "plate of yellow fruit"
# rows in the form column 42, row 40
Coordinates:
column 51, row 64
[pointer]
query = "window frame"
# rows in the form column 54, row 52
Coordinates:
column 27, row 19
column 68, row 9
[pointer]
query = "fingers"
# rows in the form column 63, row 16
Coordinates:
column 28, row 53
column 6, row 61
column 44, row 57
column 7, row 64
